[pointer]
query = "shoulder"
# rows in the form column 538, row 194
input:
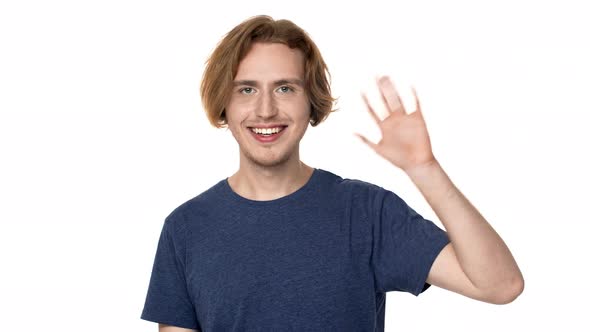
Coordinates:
column 356, row 187
column 362, row 200
column 194, row 209
column 358, row 194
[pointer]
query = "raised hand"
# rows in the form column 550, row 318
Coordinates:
column 404, row 137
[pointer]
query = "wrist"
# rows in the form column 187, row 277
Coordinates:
column 423, row 170
column 431, row 179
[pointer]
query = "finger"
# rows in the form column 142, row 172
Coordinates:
column 370, row 109
column 418, row 108
column 390, row 96
column 366, row 141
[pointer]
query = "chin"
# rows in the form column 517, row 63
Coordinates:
column 268, row 161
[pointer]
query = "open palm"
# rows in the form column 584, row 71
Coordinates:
column 404, row 137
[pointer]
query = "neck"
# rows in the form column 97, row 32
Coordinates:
column 262, row 183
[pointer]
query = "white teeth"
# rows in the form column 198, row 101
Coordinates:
column 266, row 131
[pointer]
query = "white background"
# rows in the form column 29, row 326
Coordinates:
column 102, row 134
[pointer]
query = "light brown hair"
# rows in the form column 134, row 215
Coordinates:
column 222, row 66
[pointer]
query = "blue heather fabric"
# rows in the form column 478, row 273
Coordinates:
column 319, row 259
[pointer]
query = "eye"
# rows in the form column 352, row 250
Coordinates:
column 285, row 89
column 246, row 91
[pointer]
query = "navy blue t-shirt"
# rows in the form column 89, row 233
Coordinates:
column 319, row 259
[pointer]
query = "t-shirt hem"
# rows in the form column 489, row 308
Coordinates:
column 167, row 321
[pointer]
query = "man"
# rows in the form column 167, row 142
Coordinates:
column 282, row 246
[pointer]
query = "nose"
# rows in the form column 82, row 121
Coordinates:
column 267, row 107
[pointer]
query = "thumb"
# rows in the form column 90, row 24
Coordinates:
column 366, row 141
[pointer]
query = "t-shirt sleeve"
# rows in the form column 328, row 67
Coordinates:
column 168, row 301
column 405, row 245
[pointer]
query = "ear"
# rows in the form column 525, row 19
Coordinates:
column 222, row 120
column 312, row 116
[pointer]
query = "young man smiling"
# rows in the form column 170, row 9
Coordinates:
column 282, row 246
column 268, row 114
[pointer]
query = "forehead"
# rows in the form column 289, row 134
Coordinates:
column 271, row 61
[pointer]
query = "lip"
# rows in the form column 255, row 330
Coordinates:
column 268, row 126
column 269, row 139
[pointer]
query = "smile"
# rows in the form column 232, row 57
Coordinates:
column 267, row 135
column 267, row 131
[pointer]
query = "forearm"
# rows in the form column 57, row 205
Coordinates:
column 482, row 254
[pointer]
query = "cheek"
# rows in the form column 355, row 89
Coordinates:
column 234, row 112
column 238, row 110
column 306, row 114
column 233, row 123
column 300, row 109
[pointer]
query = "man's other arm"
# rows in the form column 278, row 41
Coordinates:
column 477, row 263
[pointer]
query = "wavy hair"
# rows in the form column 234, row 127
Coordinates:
column 222, row 66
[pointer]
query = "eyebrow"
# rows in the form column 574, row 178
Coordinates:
column 293, row 81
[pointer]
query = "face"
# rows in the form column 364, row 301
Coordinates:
column 269, row 109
